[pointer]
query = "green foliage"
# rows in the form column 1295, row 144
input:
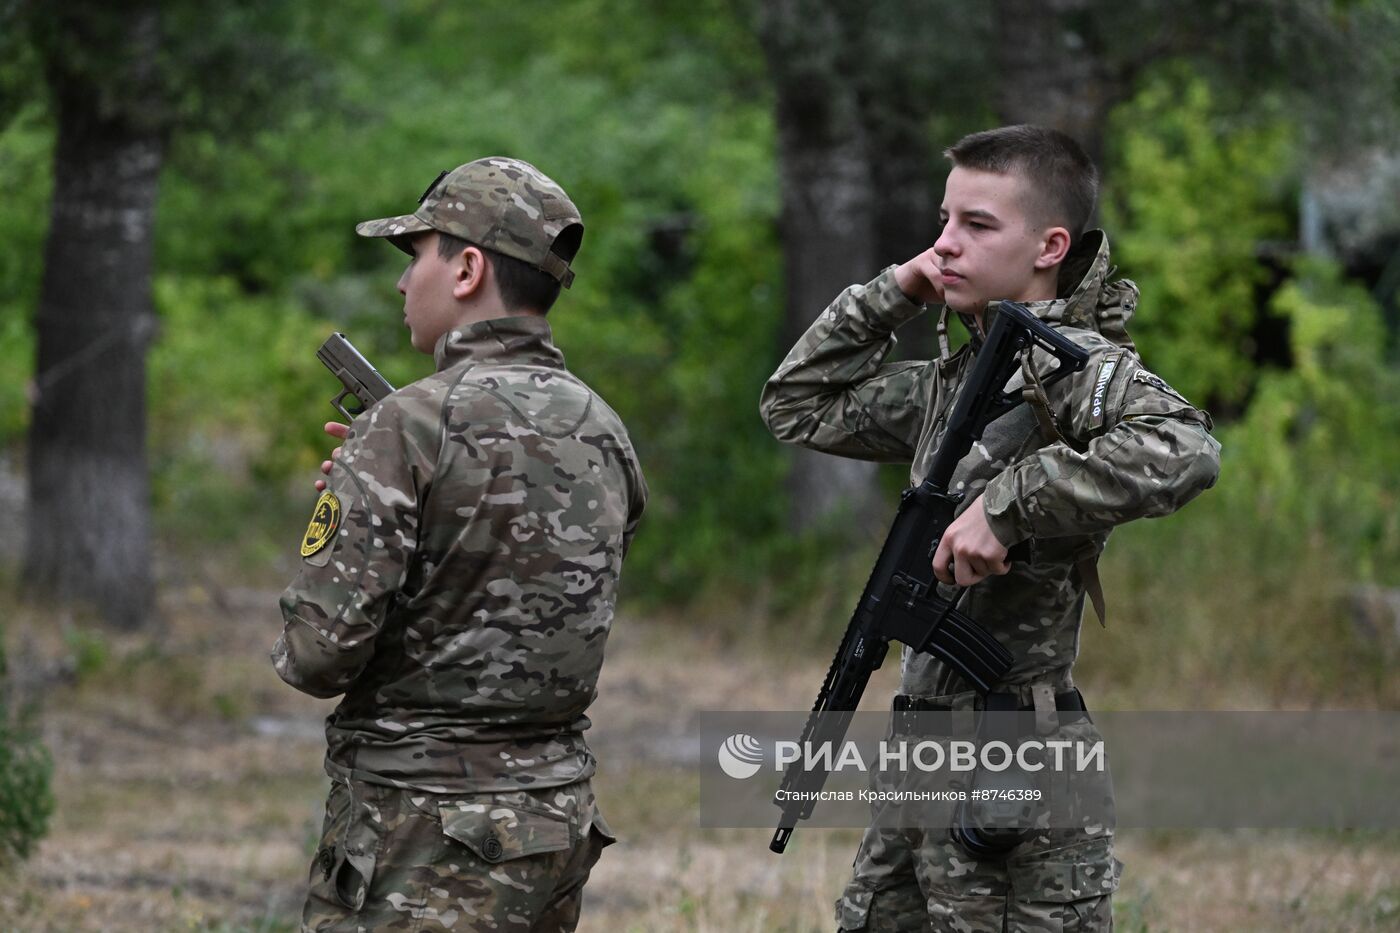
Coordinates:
column 1321, row 442
column 1192, row 201
column 89, row 651
column 225, row 373
column 1244, row 595
column 26, row 801
column 656, row 117
column 672, row 317
column 161, row 65
column 25, row 185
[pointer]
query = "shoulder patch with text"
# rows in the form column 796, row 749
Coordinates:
column 1100, row 389
column 1160, row 384
column 325, row 519
column 1157, row 382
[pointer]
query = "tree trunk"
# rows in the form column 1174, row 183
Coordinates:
column 906, row 205
column 827, row 221
column 1050, row 70
column 89, row 525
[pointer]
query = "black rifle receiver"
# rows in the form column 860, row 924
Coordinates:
column 900, row 601
column 361, row 381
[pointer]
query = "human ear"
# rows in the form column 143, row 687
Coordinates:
column 469, row 272
column 1054, row 246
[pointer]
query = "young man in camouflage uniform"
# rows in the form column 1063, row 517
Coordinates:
column 458, row 585
column 1105, row 446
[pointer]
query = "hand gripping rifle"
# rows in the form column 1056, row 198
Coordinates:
column 901, row 602
column 361, row 381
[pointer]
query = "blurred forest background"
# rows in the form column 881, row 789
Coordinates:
column 179, row 183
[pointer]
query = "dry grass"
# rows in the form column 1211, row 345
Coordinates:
column 177, row 812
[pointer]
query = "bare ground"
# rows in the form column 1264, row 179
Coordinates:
column 189, row 794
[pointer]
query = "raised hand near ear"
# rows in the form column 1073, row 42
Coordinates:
column 921, row 278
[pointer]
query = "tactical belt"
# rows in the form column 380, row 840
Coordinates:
column 906, row 707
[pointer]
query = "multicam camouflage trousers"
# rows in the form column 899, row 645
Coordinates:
column 921, row 880
column 392, row 859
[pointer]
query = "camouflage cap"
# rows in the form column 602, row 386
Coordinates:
column 497, row 203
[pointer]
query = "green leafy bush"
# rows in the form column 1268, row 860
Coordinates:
column 25, row 184
column 1243, row 597
column 1193, row 199
column 26, row 801
column 1245, row 593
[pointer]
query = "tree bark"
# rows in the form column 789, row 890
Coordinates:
column 89, row 525
column 895, row 109
column 1051, row 71
column 826, row 225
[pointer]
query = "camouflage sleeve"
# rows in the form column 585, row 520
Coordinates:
column 356, row 552
column 834, row 393
column 637, row 503
column 1140, row 450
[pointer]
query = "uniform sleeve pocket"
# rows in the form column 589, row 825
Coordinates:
column 498, row 833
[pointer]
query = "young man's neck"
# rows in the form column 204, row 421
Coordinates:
column 1043, row 287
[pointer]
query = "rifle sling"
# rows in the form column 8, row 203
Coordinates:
column 1034, row 394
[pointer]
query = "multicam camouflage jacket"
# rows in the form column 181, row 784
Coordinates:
column 460, row 571
column 1123, row 445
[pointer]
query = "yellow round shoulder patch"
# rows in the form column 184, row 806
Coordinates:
column 325, row 519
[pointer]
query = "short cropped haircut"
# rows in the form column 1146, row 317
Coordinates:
column 523, row 287
column 1062, row 179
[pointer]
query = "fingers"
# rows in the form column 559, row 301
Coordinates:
column 326, row 464
column 958, row 569
column 921, row 278
column 942, row 558
column 967, row 571
column 970, row 567
column 335, row 429
column 963, row 567
column 933, row 272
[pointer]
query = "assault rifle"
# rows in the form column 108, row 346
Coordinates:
column 362, row 381
column 901, row 601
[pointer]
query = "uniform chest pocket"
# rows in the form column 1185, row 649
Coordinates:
column 498, row 833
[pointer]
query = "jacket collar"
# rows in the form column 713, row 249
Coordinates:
column 1085, row 296
column 525, row 339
